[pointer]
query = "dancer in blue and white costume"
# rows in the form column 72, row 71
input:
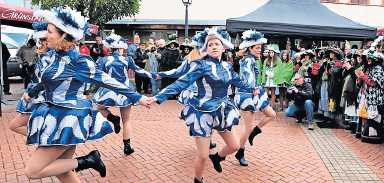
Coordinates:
column 211, row 108
column 249, row 102
column 191, row 91
column 24, row 108
column 117, row 67
column 66, row 117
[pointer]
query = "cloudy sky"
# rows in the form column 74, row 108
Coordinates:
column 200, row 9
column 224, row 9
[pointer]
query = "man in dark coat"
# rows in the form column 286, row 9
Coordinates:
column 140, row 59
column 4, row 59
column 27, row 53
column 97, row 48
column 169, row 60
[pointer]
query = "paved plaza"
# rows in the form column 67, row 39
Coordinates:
column 164, row 152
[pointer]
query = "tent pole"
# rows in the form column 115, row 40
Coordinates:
column 1, row 72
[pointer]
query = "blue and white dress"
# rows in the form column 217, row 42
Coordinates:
column 188, row 93
column 210, row 108
column 24, row 106
column 245, row 99
column 117, row 67
column 66, row 117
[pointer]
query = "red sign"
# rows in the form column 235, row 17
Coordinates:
column 17, row 14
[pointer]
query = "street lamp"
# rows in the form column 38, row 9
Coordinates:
column 186, row 4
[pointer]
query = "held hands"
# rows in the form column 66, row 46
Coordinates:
column 147, row 101
column 144, row 101
column 151, row 100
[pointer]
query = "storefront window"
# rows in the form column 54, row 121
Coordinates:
column 154, row 34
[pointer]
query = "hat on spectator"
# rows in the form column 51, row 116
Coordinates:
column 374, row 55
column 172, row 39
column 143, row 42
column 336, row 51
column 273, row 47
column 308, row 52
column 186, row 44
column 297, row 55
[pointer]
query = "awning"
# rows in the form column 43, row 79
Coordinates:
column 16, row 16
column 307, row 18
column 23, row 17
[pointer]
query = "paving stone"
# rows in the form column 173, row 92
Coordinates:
column 164, row 152
column 340, row 160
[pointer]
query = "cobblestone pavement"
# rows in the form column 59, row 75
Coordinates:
column 340, row 160
column 164, row 152
column 371, row 154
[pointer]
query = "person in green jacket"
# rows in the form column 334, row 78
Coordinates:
column 284, row 79
column 269, row 72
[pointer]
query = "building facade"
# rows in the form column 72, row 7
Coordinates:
column 159, row 28
column 357, row 2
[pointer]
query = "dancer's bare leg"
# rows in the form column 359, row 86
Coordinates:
column 247, row 127
column 127, row 126
column 202, row 145
column 231, row 143
column 273, row 97
column 45, row 162
column 19, row 124
column 127, row 130
column 270, row 115
column 71, row 175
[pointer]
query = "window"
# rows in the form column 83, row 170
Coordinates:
column 155, row 34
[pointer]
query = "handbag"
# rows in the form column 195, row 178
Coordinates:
column 331, row 105
column 362, row 110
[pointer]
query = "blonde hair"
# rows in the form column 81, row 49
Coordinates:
column 195, row 54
